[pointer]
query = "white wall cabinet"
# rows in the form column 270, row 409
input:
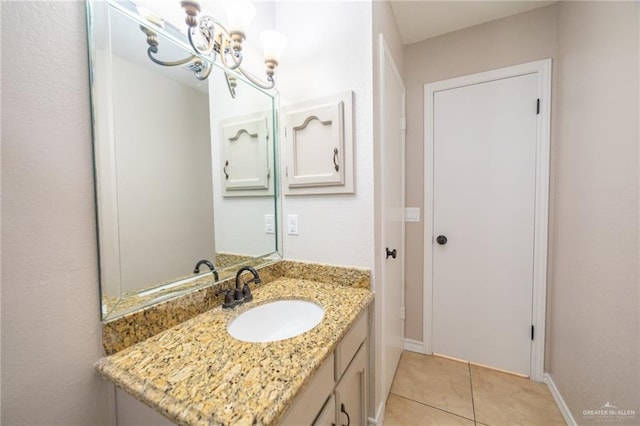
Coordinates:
column 318, row 146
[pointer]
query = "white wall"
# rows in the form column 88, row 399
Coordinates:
column 50, row 309
column 329, row 51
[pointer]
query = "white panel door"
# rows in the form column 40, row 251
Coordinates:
column 484, row 156
column 393, row 139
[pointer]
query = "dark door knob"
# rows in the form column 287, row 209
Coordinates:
column 441, row 239
column 393, row 253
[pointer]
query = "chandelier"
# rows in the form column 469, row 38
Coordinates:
column 209, row 38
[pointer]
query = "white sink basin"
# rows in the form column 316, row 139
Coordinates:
column 275, row 321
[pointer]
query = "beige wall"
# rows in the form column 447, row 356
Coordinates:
column 593, row 352
column 522, row 38
column 50, row 311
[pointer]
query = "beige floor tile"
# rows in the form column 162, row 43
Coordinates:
column 404, row 412
column 504, row 399
column 438, row 382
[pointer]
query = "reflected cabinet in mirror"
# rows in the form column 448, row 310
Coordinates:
column 184, row 165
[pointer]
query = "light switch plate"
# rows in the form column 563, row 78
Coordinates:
column 269, row 224
column 412, row 214
column 292, row 224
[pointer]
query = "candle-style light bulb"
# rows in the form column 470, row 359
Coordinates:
column 273, row 44
column 240, row 13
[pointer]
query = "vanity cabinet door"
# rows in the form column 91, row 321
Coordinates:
column 351, row 392
column 312, row 398
column 327, row 416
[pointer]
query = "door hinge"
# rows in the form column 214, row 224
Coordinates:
column 402, row 313
column 532, row 331
column 403, row 123
column 537, row 106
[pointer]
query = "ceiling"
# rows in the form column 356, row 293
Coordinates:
column 421, row 19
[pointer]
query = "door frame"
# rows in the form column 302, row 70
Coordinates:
column 541, row 213
column 386, row 57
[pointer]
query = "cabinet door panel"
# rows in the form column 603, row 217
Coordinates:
column 310, row 402
column 351, row 394
column 327, row 416
column 318, row 146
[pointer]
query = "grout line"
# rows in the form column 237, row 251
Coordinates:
column 473, row 403
column 431, row 406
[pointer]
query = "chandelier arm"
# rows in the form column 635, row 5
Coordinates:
column 237, row 58
column 151, row 51
column 258, row 82
column 205, row 75
column 210, row 47
column 223, row 58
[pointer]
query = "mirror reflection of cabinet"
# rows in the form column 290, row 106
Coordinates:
column 318, row 145
column 156, row 135
column 245, row 156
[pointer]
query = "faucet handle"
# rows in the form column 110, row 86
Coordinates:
column 246, row 293
column 237, row 294
column 228, row 298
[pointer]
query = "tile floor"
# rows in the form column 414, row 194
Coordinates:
column 430, row 390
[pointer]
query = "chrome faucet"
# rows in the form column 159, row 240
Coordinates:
column 242, row 293
column 212, row 268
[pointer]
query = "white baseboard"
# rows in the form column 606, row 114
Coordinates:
column 379, row 416
column 564, row 409
column 413, row 346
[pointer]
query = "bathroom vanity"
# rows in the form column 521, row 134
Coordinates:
column 196, row 373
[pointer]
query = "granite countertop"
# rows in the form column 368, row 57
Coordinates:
column 196, row 373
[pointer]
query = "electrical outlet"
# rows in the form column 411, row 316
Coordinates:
column 292, row 224
column 269, row 224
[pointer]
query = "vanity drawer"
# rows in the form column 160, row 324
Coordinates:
column 307, row 406
column 348, row 347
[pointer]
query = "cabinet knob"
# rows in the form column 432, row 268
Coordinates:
column 441, row 239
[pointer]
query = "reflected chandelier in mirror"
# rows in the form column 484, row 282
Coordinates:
column 181, row 202
column 208, row 37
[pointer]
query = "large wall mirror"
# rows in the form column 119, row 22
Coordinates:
column 184, row 167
